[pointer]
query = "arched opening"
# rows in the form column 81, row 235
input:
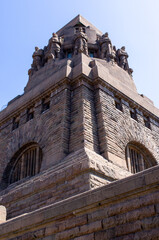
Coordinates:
column 26, row 162
column 138, row 157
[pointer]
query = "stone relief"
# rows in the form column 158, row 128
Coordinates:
column 80, row 41
column 79, row 44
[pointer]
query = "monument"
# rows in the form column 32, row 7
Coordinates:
column 79, row 150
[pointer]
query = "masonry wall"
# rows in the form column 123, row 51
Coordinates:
column 126, row 209
column 50, row 129
column 117, row 128
column 83, row 130
column 67, row 179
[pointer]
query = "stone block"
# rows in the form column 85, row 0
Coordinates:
column 3, row 214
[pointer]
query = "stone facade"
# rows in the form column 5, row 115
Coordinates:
column 79, row 125
column 127, row 209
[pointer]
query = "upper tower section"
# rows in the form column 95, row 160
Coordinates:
column 76, row 37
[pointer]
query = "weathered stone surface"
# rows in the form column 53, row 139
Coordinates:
column 89, row 128
column 125, row 212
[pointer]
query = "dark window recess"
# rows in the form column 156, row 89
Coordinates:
column 91, row 54
column 27, row 164
column 69, row 55
column 15, row 123
column 30, row 114
column 45, row 104
column 147, row 122
column 118, row 104
column 78, row 28
column 133, row 113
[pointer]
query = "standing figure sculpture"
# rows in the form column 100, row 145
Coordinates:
column 122, row 58
column 106, row 47
column 81, row 45
column 37, row 61
column 113, row 56
column 53, row 48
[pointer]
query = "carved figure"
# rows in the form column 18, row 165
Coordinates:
column 37, row 61
column 54, row 47
column 106, row 47
column 122, row 58
column 112, row 56
column 81, row 45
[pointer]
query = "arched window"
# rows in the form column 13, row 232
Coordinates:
column 138, row 158
column 26, row 162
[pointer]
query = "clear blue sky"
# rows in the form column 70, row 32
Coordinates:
column 25, row 24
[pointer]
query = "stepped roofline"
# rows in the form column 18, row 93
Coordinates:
column 76, row 20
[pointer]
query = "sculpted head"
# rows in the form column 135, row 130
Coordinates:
column 54, row 35
column 36, row 49
column 106, row 34
column 123, row 48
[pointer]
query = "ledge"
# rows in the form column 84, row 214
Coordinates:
column 147, row 180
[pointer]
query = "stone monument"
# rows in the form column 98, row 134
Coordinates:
column 79, row 150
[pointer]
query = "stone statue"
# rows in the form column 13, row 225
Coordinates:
column 106, row 47
column 81, row 45
column 54, row 47
column 122, row 58
column 37, row 58
column 37, row 61
column 112, row 56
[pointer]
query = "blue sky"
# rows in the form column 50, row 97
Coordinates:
column 25, row 24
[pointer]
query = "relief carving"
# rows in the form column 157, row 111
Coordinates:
column 80, row 40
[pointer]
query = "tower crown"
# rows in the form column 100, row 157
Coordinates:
column 79, row 36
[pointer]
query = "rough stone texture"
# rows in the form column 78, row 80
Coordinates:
column 77, row 173
column 83, row 139
column 125, row 209
column 120, row 128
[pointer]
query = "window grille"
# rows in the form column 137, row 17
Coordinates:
column 136, row 160
column 27, row 164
